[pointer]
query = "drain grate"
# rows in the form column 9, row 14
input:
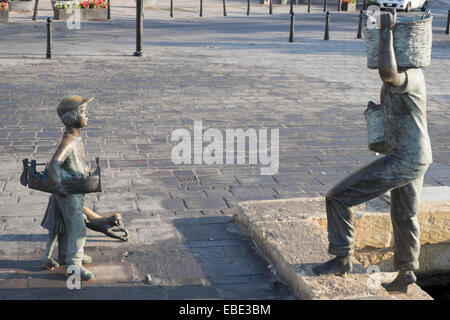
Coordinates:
column 187, row 179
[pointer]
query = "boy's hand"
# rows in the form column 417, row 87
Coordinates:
column 61, row 190
column 388, row 20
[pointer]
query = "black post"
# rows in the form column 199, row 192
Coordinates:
column 291, row 10
column 248, row 7
column 327, row 22
column 139, row 26
column 171, row 8
column 358, row 36
column 224, row 8
column 291, row 31
column 309, row 6
column 448, row 23
column 49, row 39
column 364, row 5
column 109, row 10
column 325, row 6
column 339, row 5
column 270, row 7
column 36, row 4
column 201, row 8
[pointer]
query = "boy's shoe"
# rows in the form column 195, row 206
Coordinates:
column 49, row 263
column 85, row 274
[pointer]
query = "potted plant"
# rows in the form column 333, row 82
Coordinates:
column 21, row 5
column 94, row 10
column 64, row 9
column 89, row 10
column 4, row 12
column 348, row 5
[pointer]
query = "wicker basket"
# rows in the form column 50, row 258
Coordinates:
column 412, row 42
column 375, row 127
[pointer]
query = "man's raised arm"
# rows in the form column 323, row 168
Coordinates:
column 387, row 64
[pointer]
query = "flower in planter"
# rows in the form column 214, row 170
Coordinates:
column 3, row 6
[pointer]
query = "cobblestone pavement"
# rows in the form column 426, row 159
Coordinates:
column 229, row 72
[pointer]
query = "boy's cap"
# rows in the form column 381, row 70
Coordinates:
column 70, row 103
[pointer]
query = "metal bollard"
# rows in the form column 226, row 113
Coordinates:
column 339, row 5
column 36, row 4
column 201, row 8
column 309, row 6
column 291, row 31
column 139, row 26
column 325, row 6
column 248, row 7
column 358, row 36
column 49, row 39
column 448, row 23
column 327, row 23
column 109, row 10
column 270, row 7
column 171, row 8
column 224, row 8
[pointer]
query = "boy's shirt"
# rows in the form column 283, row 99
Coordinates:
column 405, row 119
column 74, row 163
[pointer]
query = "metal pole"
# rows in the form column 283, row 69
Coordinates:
column 49, row 39
column 291, row 31
column 364, row 5
column 248, row 7
column 171, row 8
column 224, row 8
column 448, row 23
column 36, row 4
column 358, row 36
column 339, row 5
column 109, row 10
column 327, row 22
column 309, row 6
column 201, row 8
column 325, row 6
column 291, row 11
column 270, row 7
column 139, row 26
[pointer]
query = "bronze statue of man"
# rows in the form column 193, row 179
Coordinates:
column 69, row 162
column 400, row 171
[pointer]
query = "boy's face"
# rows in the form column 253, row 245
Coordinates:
column 83, row 116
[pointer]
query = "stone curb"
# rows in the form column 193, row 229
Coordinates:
column 290, row 235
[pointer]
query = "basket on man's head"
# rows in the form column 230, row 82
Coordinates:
column 412, row 36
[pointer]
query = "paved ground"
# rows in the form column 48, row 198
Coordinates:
column 230, row 72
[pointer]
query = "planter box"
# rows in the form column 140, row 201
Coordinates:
column 149, row 4
column 20, row 6
column 94, row 14
column 347, row 6
column 64, row 14
column 4, row 16
column 84, row 14
column 267, row 2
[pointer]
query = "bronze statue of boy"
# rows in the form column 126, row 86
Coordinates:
column 401, row 170
column 69, row 162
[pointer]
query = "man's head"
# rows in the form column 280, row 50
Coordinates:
column 73, row 111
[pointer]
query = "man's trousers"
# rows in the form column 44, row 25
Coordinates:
column 404, row 179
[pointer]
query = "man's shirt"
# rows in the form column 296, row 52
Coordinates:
column 405, row 119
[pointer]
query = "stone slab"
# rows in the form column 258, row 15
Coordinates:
column 291, row 234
